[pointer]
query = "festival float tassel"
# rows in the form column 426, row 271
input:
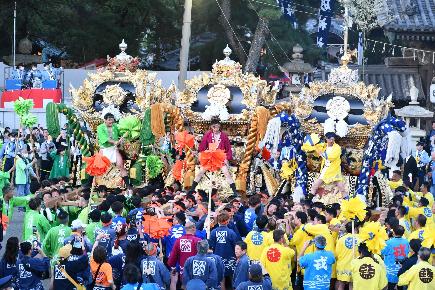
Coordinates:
column 374, row 235
column 154, row 166
column 288, row 169
column 184, row 140
column 212, row 160
column 129, row 127
column 352, row 209
column 155, row 227
column 96, row 165
column 178, row 169
column 22, row 107
column 265, row 153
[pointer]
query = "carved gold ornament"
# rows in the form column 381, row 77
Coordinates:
column 148, row 90
column 227, row 73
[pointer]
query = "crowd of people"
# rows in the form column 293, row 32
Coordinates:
column 80, row 237
column 32, row 77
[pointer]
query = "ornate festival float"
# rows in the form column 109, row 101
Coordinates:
column 132, row 96
column 275, row 147
column 370, row 139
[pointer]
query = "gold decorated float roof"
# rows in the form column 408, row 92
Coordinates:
column 122, row 68
column 225, row 74
column 342, row 81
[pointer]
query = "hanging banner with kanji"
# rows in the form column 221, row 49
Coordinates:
column 288, row 11
column 325, row 15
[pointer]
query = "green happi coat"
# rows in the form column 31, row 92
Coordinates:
column 91, row 229
column 54, row 239
column 8, row 207
column 60, row 165
column 33, row 218
column 103, row 135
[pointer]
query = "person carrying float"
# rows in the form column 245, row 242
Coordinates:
column 330, row 152
column 212, row 140
column 109, row 141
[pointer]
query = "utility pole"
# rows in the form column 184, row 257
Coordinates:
column 15, row 34
column 185, row 43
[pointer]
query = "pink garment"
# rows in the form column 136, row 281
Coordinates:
column 184, row 247
column 224, row 143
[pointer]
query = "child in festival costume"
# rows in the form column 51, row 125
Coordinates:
column 217, row 139
column 109, row 140
column 331, row 163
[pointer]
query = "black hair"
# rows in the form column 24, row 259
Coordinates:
column 318, row 204
column 302, row 216
column 133, row 253
column 348, row 227
column 321, row 218
column 424, row 201
column 424, row 254
column 426, row 184
column 109, row 116
column 254, row 200
column 117, row 207
column 364, row 252
column 261, row 221
column 215, row 121
column 399, row 230
column 11, row 250
column 45, row 183
column 7, row 189
column 402, row 210
column 332, row 211
column 99, row 255
column 392, row 222
column 131, row 274
column 34, row 203
column 312, row 213
column 421, row 220
column 242, row 245
column 277, row 235
column 25, row 247
column 95, row 215
column 104, row 206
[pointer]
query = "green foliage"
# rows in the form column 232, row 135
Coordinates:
column 92, row 29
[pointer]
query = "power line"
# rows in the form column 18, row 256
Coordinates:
column 277, row 6
column 235, row 35
column 272, row 35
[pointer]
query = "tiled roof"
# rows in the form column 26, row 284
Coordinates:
column 409, row 16
column 391, row 80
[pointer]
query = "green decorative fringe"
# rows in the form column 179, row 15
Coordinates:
column 154, row 166
column 146, row 135
column 52, row 115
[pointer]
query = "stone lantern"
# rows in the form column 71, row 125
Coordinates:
column 296, row 70
column 413, row 114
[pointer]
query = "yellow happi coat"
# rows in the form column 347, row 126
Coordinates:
column 331, row 161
